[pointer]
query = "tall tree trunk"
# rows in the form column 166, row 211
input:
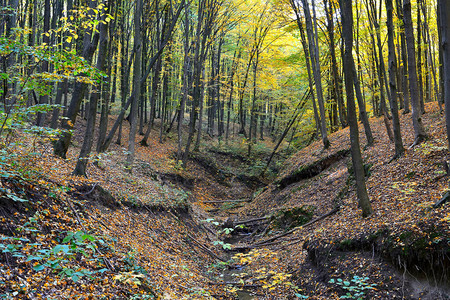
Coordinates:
column 201, row 110
column 89, row 46
column 308, row 66
column 379, row 62
column 441, row 99
column 231, row 84
column 88, row 140
column 186, row 87
column 253, row 120
column 109, row 94
column 362, row 108
column 419, row 130
column 404, row 58
column 314, row 51
column 334, row 67
column 358, row 167
column 60, row 87
column 136, row 83
column 430, row 56
column 444, row 24
column 165, row 97
column 124, row 72
column 419, row 57
column 392, row 81
column 43, row 99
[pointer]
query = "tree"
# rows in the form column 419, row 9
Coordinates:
column 315, row 63
column 334, row 66
column 358, row 167
column 444, row 24
column 392, row 82
column 404, row 58
column 136, row 82
column 419, row 130
column 88, row 140
column 90, row 42
column 308, row 62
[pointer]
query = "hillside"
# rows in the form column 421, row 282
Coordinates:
column 164, row 232
column 404, row 241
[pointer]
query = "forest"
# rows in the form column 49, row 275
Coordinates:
column 224, row 149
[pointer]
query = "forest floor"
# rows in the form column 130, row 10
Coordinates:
column 219, row 230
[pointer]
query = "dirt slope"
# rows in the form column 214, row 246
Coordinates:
column 403, row 247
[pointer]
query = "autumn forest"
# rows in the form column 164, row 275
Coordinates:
column 224, row 149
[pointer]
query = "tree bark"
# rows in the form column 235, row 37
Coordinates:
column 136, row 83
column 392, row 82
column 89, row 46
column 88, row 140
column 444, row 24
column 404, row 58
column 334, row 67
column 43, row 99
column 358, row 167
column 419, row 130
column 314, row 51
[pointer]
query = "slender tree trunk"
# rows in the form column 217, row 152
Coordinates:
column 334, row 67
column 358, row 167
column 108, row 93
column 45, row 65
column 392, row 81
column 136, row 83
column 362, row 108
column 89, row 46
column 444, row 24
column 419, row 130
column 231, row 84
column 404, row 58
column 165, row 97
column 308, row 66
column 419, row 58
column 252, row 129
column 201, row 110
column 430, row 56
column 314, row 51
column 186, row 88
column 88, row 140
column 124, row 73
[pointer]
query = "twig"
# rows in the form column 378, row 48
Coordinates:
column 76, row 214
column 252, row 220
column 226, row 201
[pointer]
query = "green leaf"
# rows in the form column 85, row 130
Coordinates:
column 15, row 198
column 89, row 237
column 68, row 237
column 101, row 271
column 31, row 257
column 39, row 268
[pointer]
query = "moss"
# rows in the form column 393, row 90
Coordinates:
column 311, row 170
column 404, row 236
column 292, row 217
column 347, row 243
